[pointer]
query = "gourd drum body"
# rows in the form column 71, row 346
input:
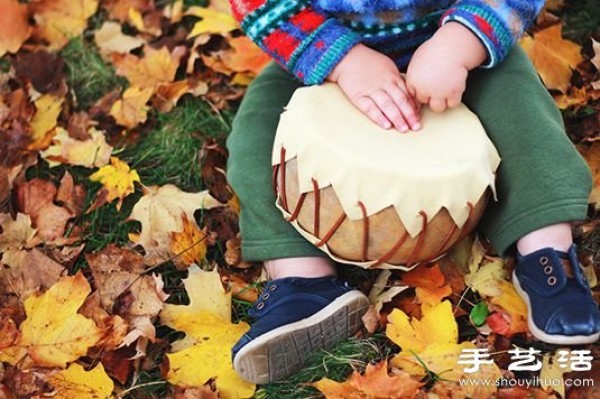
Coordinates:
column 375, row 197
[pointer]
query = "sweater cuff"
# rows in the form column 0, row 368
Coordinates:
column 320, row 52
column 487, row 26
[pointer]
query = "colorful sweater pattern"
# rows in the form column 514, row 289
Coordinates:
column 310, row 37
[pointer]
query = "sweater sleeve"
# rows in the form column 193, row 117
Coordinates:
column 497, row 23
column 299, row 37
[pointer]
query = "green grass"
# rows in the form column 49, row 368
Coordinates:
column 337, row 364
column 581, row 18
column 87, row 74
column 169, row 153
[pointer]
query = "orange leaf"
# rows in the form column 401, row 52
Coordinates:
column 425, row 277
column 14, row 27
column 189, row 245
column 553, row 56
column 246, row 56
column 156, row 67
column 131, row 110
column 376, row 383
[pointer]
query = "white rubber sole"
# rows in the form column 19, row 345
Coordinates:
column 282, row 351
column 551, row 338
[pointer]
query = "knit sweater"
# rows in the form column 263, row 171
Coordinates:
column 310, row 37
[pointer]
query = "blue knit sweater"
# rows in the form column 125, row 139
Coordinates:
column 310, row 37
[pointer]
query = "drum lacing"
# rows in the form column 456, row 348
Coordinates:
column 331, row 231
column 317, row 194
column 284, row 203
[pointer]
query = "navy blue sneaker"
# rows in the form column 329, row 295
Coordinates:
column 293, row 318
column 560, row 307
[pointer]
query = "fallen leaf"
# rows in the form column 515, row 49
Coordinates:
column 213, row 21
column 64, row 149
column 188, row 246
column 575, row 98
column 26, row 272
column 15, row 26
column 16, row 233
column 206, row 351
column 54, row 333
column 76, row 383
column 596, row 59
column 58, row 21
column 553, row 57
column 118, row 180
column 168, row 95
column 552, row 372
column 110, row 39
column 44, row 121
column 45, row 70
column 245, row 56
column 119, row 9
column 592, row 156
column 71, row 195
column 376, row 383
column 131, row 110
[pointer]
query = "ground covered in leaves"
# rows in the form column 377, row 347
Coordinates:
column 120, row 272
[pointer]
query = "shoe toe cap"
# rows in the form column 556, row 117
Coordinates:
column 575, row 320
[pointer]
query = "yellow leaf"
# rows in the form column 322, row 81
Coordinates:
column 15, row 233
column 553, row 57
column 213, row 21
column 160, row 212
column 136, row 19
column 575, row 97
column 117, row 179
column 376, row 383
column 76, row 383
column 110, row 39
column 132, row 110
column 551, row 371
column 205, row 352
column 436, row 326
column 58, row 21
column 53, row 333
column 14, row 27
column 43, row 122
column 485, row 278
column 156, row 67
column 93, row 152
column 189, row 245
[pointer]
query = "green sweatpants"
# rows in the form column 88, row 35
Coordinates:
column 542, row 180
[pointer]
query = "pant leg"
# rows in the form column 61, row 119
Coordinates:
column 265, row 233
column 542, row 179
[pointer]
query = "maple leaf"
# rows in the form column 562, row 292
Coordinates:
column 245, row 56
column 72, row 196
column 119, row 9
column 26, row 272
column 205, row 352
column 76, row 383
column 110, row 39
column 44, row 121
column 160, row 212
column 189, row 245
column 15, row 27
column 57, row 21
column 118, row 180
column 53, row 333
column 553, row 57
column 429, row 282
column 376, row 383
column 552, row 371
column 156, row 67
column 131, row 109
column 213, row 21
column 575, row 98
column 93, row 152
column 43, row 69
column 15, row 233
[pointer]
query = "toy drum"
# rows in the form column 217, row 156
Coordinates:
column 375, row 197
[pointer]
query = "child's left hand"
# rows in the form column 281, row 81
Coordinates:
column 437, row 73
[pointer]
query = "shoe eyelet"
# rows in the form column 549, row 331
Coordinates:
column 265, row 296
column 548, row 269
column 551, row 280
column 273, row 287
column 544, row 260
column 260, row 306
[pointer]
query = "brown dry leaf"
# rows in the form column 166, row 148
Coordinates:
column 15, row 26
column 592, row 156
column 45, row 70
column 168, row 94
column 245, row 56
column 156, row 67
column 188, row 246
column 44, row 121
column 79, row 125
column 118, row 181
column 64, row 149
column 16, row 233
column 131, row 110
column 161, row 210
column 553, row 57
column 71, row 195
column 57, row 21
column 119, row 9
column 114, row 328
column 26, row 272
column 15, row 141
column 376, row 383
column 36, row 199
column 54, row 333
column 110, row 39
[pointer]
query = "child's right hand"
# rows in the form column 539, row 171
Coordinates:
column 374, row 85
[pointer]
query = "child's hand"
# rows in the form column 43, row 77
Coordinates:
column 437, row 73
column 374, row 85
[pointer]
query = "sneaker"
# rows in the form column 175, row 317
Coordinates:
column 560, row 307
column 295, row 317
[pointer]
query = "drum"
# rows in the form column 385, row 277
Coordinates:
column 379, row 198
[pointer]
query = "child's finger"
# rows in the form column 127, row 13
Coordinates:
column 453, row 101
column 369, row 108
column 437, row 104
column 390, row 109
column 408, row 104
